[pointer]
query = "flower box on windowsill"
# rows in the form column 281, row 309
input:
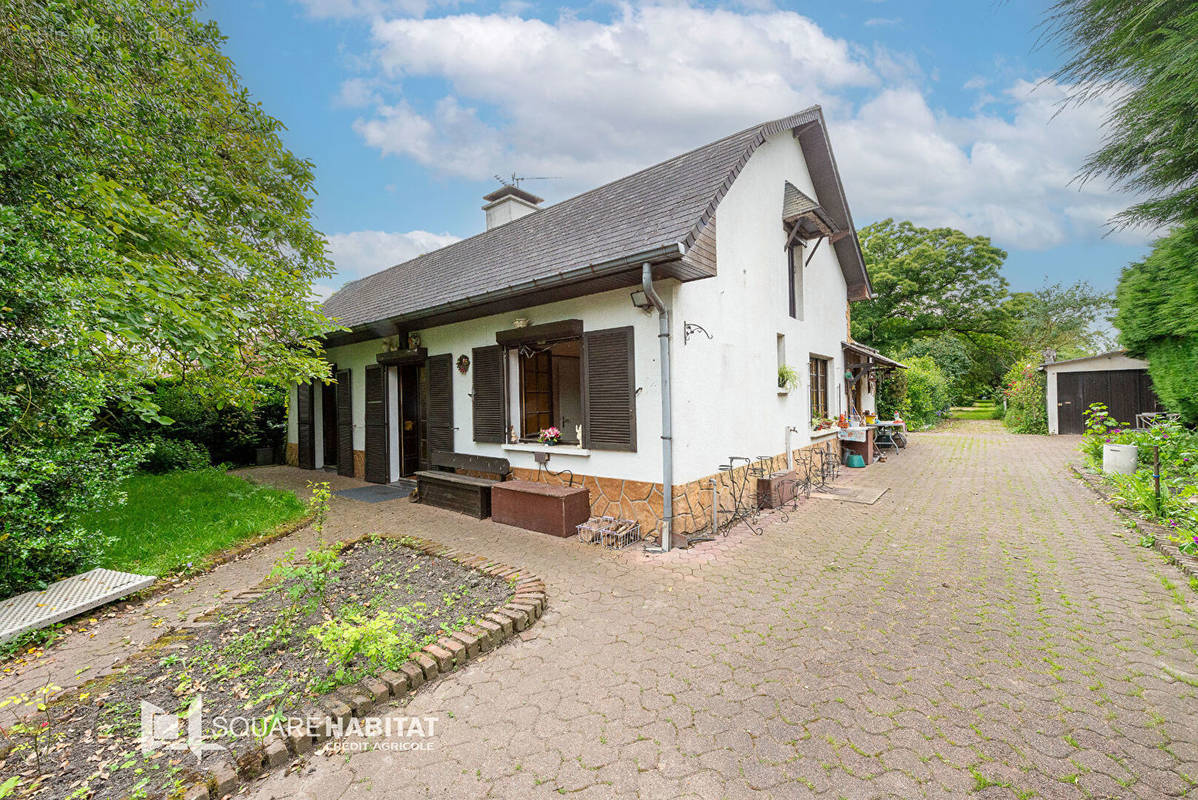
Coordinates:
column 825, row 433
column 557, row 449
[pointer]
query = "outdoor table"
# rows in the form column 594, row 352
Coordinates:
column 890, row 433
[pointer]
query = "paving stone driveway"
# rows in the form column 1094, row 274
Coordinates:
column 981, row 631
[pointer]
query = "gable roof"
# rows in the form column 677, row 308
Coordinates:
column 592, row 242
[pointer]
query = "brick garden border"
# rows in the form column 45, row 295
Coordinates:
column 1160, row 534
column 336, row 708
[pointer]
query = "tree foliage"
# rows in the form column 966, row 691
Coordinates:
column 1146, row 55
column 1157, row 301
column 928, row 282
column 951, row 354
column 1065, row 320
column 151, row 225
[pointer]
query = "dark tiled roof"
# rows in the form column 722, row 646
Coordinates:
column 653, row 210
column 795, row 203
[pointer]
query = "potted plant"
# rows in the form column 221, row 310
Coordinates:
column 550, row 436
column 788, row 378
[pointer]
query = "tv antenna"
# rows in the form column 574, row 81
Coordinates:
column 515, row 179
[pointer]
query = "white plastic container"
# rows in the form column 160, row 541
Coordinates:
column 1120, row 458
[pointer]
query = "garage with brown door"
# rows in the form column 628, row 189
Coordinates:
column 1120, row 382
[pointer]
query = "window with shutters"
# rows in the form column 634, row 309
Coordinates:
column 545, row 389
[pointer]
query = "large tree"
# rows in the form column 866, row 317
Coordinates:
column 1145, row 55
column 152, row 224
column 928, row 282
column 1066, row 320
column 1157, row 300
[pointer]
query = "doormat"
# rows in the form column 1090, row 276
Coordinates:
column 378, row 493
column 866, row 495
column 66, row 598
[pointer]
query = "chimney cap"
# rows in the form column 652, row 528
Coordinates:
column 508, row 190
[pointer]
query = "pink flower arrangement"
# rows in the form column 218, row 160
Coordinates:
column 549, row 436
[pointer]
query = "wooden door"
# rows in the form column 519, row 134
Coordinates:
column 409, row 419
column 1069, row 402
column 328, row 423
column 1125, row 392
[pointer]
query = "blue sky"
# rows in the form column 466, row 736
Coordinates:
column 939, row 112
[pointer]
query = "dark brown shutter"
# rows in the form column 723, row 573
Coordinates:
column 440, row 403
column 304, row 409
column 487, row 363
column 345, row 424
column 609, row 389
column 378, row 460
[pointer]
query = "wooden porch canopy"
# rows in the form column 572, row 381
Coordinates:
column 804, row 218
column 546, row 332
column 868, row 360
column 402, row 358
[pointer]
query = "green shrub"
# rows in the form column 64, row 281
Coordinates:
column 1101, row 428
column 43, row 491
column 1156, row 299
column 951, row 355
column 1178, row 448
column 1026, row 397
column 928, row 394
column 229, row 433
column 367, row 643
column 166, row 455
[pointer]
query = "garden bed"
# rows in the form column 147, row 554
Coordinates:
column 1150, row 533
column 329, row 621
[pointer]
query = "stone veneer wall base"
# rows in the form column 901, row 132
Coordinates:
column 643, row 502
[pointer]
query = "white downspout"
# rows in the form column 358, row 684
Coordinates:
column 667, row 414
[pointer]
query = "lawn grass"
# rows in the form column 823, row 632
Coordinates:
column 176, row 521
column 982, row 409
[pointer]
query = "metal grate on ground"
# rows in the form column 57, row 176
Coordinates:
column 66, row 598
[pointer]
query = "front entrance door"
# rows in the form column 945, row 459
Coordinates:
column 328, row 421
column 409, row 419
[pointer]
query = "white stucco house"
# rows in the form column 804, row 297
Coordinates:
column 646, row 319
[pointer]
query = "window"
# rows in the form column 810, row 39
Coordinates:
column 545, row 389
column 819, row 387
column 795, row 273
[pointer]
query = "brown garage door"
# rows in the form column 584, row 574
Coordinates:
column 1126, row 392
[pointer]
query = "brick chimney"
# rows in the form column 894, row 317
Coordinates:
column 509, row 203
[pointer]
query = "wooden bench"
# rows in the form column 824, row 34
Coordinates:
column 467, row 494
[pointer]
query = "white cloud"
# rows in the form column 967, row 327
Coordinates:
column 590, row 100
column 593, row 100
column 357, row 93
column 882, row 22
column 363, row 253
column 1009, row 177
